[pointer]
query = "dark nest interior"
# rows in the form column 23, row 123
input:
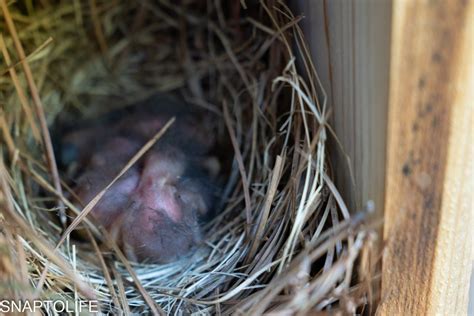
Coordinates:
column 282, row 241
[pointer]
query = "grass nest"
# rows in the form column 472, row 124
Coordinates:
column 283, row 240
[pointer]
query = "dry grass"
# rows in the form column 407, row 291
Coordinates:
column 284, row 240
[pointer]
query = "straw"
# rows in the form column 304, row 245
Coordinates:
column 283, row 241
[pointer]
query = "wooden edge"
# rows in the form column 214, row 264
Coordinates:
column 429, row 179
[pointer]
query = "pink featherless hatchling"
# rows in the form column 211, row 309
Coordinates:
column 155, row 209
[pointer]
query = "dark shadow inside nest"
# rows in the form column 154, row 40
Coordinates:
column 160, row 210
column 169, row 58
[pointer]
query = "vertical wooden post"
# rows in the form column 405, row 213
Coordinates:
column 429, row 181
column 350, row 44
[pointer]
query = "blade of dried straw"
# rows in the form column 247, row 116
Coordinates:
column 99, row 33
column 19, row 90
column 6, row 133
column 337, row 196
column 156, row 310
column 38, row 106
column 240, row 162
column 275, row 179
column 121, row 290
column 30, row 57
column 105, row 270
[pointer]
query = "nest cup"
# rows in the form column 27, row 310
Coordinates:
column 283, row 240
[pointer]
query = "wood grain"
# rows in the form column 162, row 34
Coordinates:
column 350, row 44
column 429, row 181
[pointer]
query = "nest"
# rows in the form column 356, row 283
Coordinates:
column 283, row 240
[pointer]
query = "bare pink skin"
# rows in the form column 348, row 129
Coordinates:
column 153, row 209
column 102, row 168
column 168, row 224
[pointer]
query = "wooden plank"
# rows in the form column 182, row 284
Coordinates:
column 429, row 182
column 350, row 42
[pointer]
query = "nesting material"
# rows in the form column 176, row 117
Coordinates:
column 283, row 240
